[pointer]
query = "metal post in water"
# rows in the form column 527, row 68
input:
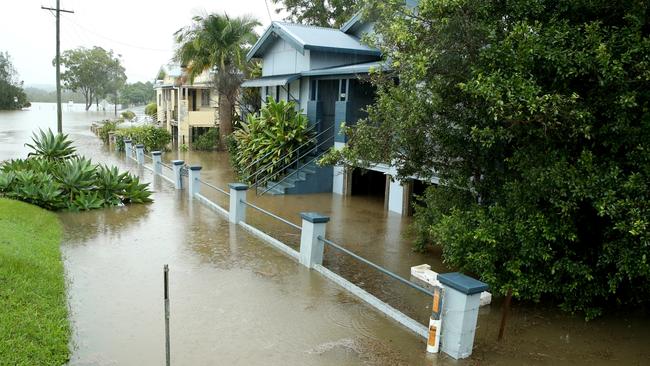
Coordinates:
column 166, row 289
column 194, row 186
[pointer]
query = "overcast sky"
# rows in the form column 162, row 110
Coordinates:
column 139, row 30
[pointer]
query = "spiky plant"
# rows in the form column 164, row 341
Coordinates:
column 50, row 146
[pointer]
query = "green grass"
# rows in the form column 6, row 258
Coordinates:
column 34, row 328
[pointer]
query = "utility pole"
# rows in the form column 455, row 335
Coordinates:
column 59, row 114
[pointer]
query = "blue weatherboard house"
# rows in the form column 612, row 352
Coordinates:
column 323, row 71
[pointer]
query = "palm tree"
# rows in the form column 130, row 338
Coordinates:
column 218, row 42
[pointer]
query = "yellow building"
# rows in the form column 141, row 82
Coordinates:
column 186, row 109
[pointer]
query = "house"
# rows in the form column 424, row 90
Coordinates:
column 323, row 71
column 186, row 109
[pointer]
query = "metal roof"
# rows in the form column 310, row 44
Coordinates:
column 303, row 37
column 348, row 69
column 270, row 81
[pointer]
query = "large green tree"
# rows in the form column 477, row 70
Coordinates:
column 94, row 72
column 218, row 42
column 12, row 95
column 536, row 118
column 324, row 13
column 137, row 93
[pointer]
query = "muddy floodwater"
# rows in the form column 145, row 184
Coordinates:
column 237, row 301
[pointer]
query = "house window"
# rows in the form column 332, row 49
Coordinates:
column 205, row 98
column 343, row 90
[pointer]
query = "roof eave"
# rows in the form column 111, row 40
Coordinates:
column 353, row 51
column 273, row 28
column 356, row 18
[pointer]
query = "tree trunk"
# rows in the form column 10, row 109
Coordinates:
column 225, row 119
column 504, row 313
column 97, row 103
column 89, row 100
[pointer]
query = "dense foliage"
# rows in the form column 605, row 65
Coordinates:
column 95, row 73
column 12, row 95
column 127, row 115
column 55, row 178
column 207, row 141
column 536, row 117
column 108, row 126
column 218, row 42
column 331, row 13
column 152, row 137
column 269, row 139
column 137, row 93
column 151, row 110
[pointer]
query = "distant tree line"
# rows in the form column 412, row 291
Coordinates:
column 12, row 95
column 37, row 95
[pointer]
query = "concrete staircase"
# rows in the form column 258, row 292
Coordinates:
column 307, row 178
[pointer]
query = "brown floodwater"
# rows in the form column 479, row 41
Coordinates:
column 237, row 301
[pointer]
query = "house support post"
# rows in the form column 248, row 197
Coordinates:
column 462, row 296
column 237, row 210
column 157, row 162
column 139, row 154
column 177, row 165
column 311, row 248
column 193, row 183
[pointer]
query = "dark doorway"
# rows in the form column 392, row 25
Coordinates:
column 368, row 183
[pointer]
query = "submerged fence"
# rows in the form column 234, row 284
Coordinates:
column 312, row 246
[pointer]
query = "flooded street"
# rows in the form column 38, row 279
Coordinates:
column 237, row 301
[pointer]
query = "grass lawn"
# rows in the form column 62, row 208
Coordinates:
column 34, row 327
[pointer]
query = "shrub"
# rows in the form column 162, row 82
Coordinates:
column 53, row 177
column 270, row 137
column 107, row 127
column 128, row 115
column 151, row 110
column 152, row 137
column 208, row 141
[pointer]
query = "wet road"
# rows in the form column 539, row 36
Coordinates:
column 235, row 300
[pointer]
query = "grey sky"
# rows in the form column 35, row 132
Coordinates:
column 139, row 30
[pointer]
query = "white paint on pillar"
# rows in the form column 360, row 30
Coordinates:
column 395, row 196
column 311, row 248
column 128, row 148
column 139, row 154
column 157, row 162
column 338, row 180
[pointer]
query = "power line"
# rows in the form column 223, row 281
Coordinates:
column 116, row 41
column 268, row 11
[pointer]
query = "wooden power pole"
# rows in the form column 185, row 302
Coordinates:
column 59, row 114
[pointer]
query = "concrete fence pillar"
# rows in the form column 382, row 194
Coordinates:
column 127, row 147
column 237, row 210
column 157, row 162
column 193, row 184
column 311, row 248
column 139, row 154
column 178, row 178
column 460, row 306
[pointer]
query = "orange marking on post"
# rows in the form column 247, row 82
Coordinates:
column 432, row 336
column 436, row 302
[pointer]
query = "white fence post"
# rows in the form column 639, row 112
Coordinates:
column 139, row 153
column 127, row 147
column 157, row 162
column 459, row 313
column 193, row 184
column 237, row 210
column 311, row 248
column 178, row 179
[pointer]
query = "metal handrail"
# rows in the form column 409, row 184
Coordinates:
column 214, row 187
column 375, row 266
column 267, row 178
column 166, row 166
column 311, row 140
column 271, row 214
column 270, row 152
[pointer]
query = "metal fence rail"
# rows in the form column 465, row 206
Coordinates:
column 271, row 214
column 166, row 165
column 375, row 266
column 214, row 187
